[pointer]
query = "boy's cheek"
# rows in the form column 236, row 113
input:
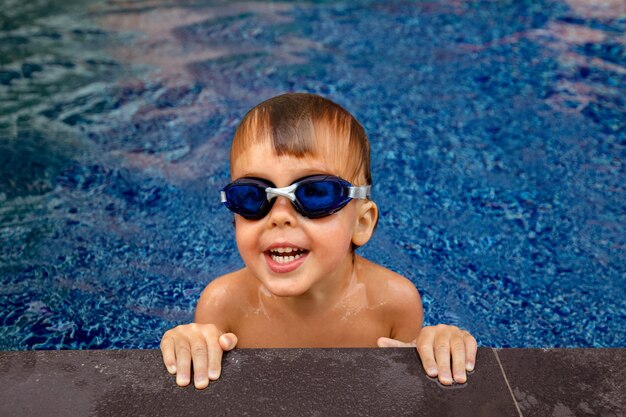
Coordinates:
column 246, row 241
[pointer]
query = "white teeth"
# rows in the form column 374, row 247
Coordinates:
column 285, row 259
column 286, row 254
column 284, row 250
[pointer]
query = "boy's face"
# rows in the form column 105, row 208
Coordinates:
column 290, row 254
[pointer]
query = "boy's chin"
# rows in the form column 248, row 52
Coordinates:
column 282, row 288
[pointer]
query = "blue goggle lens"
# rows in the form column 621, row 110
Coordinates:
column 246, row 199
column 322, row 196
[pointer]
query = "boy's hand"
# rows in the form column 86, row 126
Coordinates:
column 435, row 345
column 201, row 344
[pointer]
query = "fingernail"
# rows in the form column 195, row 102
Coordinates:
column 171, row 369
column 432, row 371
column 182, row 380
column 446, row 379
column 213, row 374
column 469, row 367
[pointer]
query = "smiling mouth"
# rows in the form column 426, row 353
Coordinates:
column 286, row 255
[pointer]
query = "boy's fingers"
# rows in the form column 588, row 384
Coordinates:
column 228, row 341
column 200, row 359
column 183, row 363
column 442, row 356
column 385, row 342
column 215, row 358
column 169, row 354
column 457, row 346
column 471, row 347
column 426, row 352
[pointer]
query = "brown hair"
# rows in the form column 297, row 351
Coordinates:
column 300, row 124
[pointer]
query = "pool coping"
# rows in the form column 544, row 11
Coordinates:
column 506, row 382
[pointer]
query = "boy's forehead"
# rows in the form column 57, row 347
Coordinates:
column 261, row 156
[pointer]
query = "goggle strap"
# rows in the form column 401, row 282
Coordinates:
column 361, row 192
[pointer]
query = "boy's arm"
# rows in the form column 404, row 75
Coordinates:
column 436, row 345
column 203, row 341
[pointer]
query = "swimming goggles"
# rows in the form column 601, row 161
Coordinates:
column 314, row 196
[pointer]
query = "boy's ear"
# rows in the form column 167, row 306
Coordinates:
column 367, row 217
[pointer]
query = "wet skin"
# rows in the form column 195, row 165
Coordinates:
column 303, row 286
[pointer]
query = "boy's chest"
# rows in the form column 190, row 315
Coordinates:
column 268, row 329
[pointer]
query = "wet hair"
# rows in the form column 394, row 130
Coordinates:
column 301, row 125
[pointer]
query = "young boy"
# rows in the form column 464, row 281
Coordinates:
column 300, row 166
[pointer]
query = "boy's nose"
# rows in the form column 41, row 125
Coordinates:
column 283, row 213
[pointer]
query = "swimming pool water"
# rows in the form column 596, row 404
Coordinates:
column 497, row 129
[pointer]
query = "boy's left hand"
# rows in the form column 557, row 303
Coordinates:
column 435, row 345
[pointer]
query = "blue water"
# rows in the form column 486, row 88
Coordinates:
column 498, row 132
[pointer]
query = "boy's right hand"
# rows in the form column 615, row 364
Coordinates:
column 202, row 344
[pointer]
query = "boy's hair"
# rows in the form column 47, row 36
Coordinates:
column 300, row 124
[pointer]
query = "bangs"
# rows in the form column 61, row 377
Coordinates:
column 307, row 125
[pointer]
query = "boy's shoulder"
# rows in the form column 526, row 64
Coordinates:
column 224, row 294
column 389, row 285
column 399, row 300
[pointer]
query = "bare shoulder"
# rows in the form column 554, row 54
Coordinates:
column 221, row 299
column 400, row 299
column 389, row 284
